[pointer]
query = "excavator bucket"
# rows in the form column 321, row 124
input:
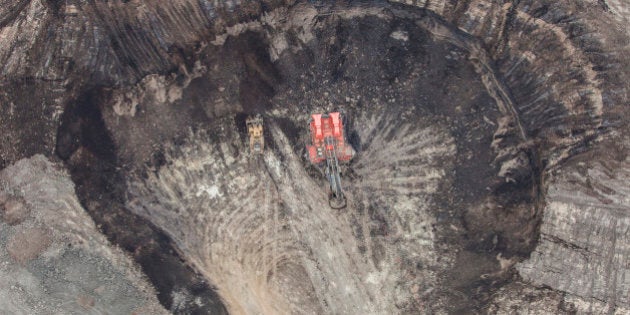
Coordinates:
column 255, row 131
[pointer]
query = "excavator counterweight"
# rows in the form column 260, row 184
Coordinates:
column 329, row 145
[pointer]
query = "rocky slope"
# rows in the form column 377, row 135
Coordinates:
column 52, row 257
column 584, row 241
column 490, row 140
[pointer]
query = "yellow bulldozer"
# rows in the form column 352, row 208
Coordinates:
column 255, row 131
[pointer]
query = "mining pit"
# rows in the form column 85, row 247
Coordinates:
column 490, row 174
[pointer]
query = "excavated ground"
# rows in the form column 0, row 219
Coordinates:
column 440, row 152
column 459, row 113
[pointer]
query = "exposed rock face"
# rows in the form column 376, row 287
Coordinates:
column 470, row 119
column 585, row 245
column 522, row 298
column 53, row 259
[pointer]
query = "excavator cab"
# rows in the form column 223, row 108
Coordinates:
column 255, row 131
column 329, row 145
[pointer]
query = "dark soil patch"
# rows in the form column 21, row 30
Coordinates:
column 89, row 153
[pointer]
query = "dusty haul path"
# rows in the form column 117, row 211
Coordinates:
column 264, row 233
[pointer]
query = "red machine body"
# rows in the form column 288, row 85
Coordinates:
column 328, row 143
column 327, row 136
